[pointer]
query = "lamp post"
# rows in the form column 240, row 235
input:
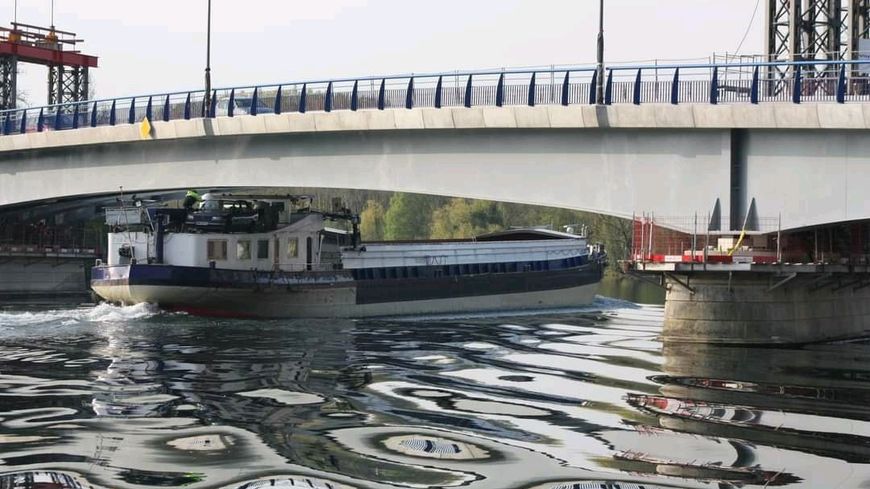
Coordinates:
column 207, row 96
column 599, row 89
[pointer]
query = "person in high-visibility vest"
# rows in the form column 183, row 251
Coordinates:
column 191, row 198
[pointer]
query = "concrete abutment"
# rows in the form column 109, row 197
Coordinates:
column 766, row 307
column 24, row 279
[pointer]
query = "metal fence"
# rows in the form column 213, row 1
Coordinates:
column 19, row 239
column 700, row 240
column 722, row 83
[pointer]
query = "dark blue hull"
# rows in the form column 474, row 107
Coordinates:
column 239, row 292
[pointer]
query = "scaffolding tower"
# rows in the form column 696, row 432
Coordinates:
column 55, row 49
column 807, row 30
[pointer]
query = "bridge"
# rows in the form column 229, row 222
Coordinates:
column 669, row 139
column 783, row 134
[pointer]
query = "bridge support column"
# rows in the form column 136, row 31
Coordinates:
column 67, row 84
column 769, row 307
column 738, row 178
column 8, row 82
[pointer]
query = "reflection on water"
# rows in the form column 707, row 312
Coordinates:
column 108, row 397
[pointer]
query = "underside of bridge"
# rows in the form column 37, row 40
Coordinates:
column 611, row 172
column 801, row 178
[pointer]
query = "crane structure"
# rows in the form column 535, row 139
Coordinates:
column 55, row 49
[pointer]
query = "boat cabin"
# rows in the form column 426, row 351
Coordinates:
column 237, row 232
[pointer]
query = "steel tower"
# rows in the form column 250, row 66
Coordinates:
column 806, row 30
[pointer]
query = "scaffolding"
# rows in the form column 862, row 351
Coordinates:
column 50, row 47
column 810, row 30
column 697, row 239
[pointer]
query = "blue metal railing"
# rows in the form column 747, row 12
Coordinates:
column 796, row 82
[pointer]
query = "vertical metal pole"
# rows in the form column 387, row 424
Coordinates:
column 779, row 240
column 794, row 30
column 651, row 225
column 633, row 236
column 694, row 240
column 706, row 241
column 552, row 83
column 207, row 100
column 853, row 26
column 599, row 91
column 835, row 28
column 8, row 82
column 640, row 248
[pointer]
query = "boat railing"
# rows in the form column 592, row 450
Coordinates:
column 308, row 267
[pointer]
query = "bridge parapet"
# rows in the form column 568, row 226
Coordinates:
column 713, row 84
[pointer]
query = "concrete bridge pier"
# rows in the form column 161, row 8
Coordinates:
column 766, row 304
column 33, row 274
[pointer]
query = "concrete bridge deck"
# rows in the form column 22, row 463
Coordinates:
column 648, row 116
column 809, row 162
column 797, row 144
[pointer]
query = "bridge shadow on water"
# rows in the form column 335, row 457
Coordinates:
column 102, row 396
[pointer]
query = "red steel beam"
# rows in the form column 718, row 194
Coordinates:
column 46, row 56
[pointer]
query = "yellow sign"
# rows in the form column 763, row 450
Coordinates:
column 145, row 128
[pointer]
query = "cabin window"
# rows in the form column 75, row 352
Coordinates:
column 217, row 249
column 263, row 249
column 292, row 247
column 243, row 250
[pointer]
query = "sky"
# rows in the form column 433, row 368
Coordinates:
column 157, row 46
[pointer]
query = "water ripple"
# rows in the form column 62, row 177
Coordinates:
column 124, row 397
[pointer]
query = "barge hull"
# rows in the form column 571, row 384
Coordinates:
column 336, row 294
column 332, row 303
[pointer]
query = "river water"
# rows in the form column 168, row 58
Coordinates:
column 122, row 397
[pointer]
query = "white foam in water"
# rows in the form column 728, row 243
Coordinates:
column 104, row 312
column 100, row 313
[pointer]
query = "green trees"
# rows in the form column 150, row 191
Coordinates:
column 463, row 218
column 409, row 216
column 615, row 233
column 373, row 221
